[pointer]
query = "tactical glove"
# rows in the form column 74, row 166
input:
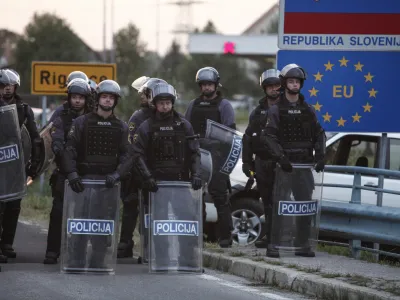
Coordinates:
column 247, row 169
column 319, row 166
column 285, row 164
column 196, row 183
column 150, row 185
column 75, row 182
column 112, row 179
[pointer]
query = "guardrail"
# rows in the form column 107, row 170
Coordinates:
column 358, row 222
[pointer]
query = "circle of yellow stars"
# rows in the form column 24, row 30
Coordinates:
column 358, row 67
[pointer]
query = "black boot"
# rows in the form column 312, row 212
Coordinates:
column 51, row 258
column 125, row 249
column 3, row 258
column 8, row 251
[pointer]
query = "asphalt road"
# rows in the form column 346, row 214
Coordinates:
column 27, row 278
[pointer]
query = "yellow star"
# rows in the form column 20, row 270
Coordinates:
column 356, row 118
column 313, row 92
column 328, row 66
column 318, row 76
column 359, row 67
column 327, row 117
column 367, row 107
column 341, row 122
column 317, row 106
column 343, row 62
column 372, row 93
column 368, row 77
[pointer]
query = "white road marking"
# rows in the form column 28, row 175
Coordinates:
column 242, row 287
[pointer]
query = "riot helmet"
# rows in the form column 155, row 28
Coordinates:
column 93, row 88
column 270, row 77
column 139, row 82
column 4, row 78
column 163, row 91
column 78, row 86
column 293, row 71
column 14, row 82
column 146, row 88
column 108, row 87
column 76, row 74
column 208, row 75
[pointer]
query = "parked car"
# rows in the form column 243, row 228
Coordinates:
column 345, row 149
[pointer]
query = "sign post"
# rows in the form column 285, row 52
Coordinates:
column 351, row 50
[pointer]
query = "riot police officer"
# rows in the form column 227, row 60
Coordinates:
column 263, row 166
column 25, row 117
column 211, row 105
column 163, row 151
column 129, row 190
column 292, row 133
column 78, row 91
column 81, row 157
column 64, row 107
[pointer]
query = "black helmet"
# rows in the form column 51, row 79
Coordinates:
column 208, row 74
column 293, row 71
column 270, row 77
column 76, row 74
column 163, row 90
column 79, row 86
column 146, row 88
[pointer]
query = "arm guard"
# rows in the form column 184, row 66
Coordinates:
column 195, row 167
column 247, row 153
column 320, row 146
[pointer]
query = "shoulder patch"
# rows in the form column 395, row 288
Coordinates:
column 131, row 126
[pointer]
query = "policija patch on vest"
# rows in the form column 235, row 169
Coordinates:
column 131, row 126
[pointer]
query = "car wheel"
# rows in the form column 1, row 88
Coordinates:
column 247, row 226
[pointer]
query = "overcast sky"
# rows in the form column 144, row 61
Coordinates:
column 86, row 17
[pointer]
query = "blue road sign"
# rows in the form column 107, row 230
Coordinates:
column 350, row 91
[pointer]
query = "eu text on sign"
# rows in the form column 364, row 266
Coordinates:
column 49, row 78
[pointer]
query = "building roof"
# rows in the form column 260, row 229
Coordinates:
column 264, row 16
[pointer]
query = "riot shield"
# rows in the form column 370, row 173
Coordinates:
column 225, row 145
column 12, row 164
column 26, row 144
column 206, row 165
column 144, row 226
column 295, row 211
column 176, row 229
column 90, row 228
column 46, row 153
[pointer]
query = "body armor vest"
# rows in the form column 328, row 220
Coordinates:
column 100, row 147
column 257, row 124
column 296, row 132
column 168, row 145
column 203, row 110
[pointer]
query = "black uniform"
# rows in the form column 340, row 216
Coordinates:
column 163, row 152
column 80, row 157
column 13, row 208
column 59, row 133
column 292, row 133
column 219, row 110
column 130, row 190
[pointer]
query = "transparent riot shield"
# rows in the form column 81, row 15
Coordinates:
column 46, row 153
column 12, row 164
column 225, row 145
column 144, row 226
column 90, row 228
column 175, row 233
column 295, row 211
column 26, row 144
column 206, row 165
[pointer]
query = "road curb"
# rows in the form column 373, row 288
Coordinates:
column 289, row 279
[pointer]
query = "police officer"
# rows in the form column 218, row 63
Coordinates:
column 263, row 165
column 129, row 190
column 78, row 91
column 292, row 133
column 65, row 106
column 80, row 158
column 211, row 105
column 27, row 118
column 176, row 158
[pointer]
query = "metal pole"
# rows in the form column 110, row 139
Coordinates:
column 112, row 58
column 104, row 32
column 44, row 121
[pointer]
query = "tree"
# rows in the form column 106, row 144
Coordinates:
column 130, row 55
column 47, row 38
column 273, row 27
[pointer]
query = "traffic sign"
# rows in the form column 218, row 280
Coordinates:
column 351, row 91
column 49, row 78
column 367, row 25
